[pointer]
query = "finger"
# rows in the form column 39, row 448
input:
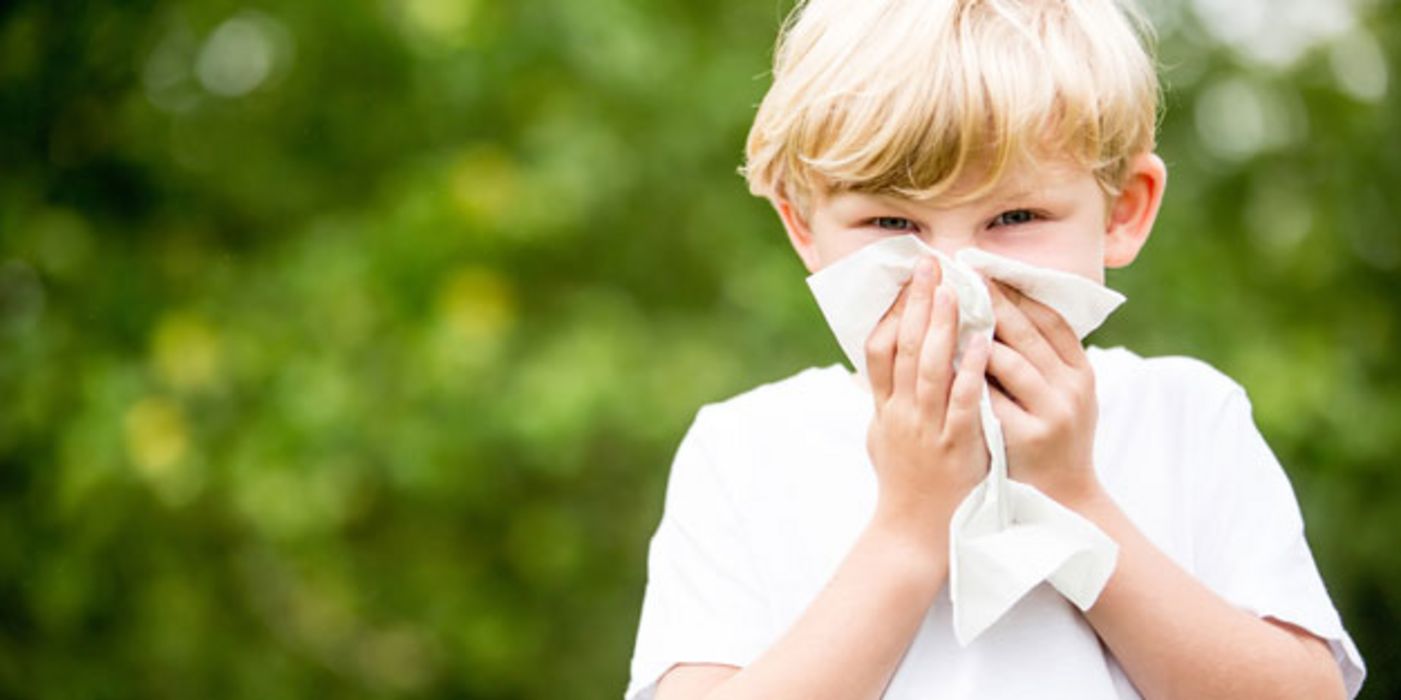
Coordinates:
column 913, row 323
column 880, row 349
column 1054, row 328
column 1019, row 379
column 1018, row 332
column 935, row 374
column 880, row 346
column 1011, row 415
column 967, row 388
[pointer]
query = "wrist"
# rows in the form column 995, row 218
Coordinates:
column 1086, row 498
column 923, row 526
column 1080, row 493
column 920, row 554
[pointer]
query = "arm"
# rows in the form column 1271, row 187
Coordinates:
column 926, row 447
column 849, row 641
column 1174, row 636
column 1177, row 639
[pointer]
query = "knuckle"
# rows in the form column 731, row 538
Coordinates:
column 1039, row 435
column 907, row 345
column 1086, row 405
column 959, row 434
column 895, row 412
column 931, row 369
column 877, row 345
column 1078, row 404
column 1085, row 382
column 911, row 417
column 1059, row 417
column 964, row 393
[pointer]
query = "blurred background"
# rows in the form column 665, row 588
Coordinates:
column 344, row 346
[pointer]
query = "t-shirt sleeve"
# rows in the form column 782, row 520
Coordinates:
column 1250, row 542
column 703, row 602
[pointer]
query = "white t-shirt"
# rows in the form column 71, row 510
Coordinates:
column 770, row 489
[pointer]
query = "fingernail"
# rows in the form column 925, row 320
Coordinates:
column 924, row 268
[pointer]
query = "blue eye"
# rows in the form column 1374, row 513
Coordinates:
column 893, row 223
column 1015, row 217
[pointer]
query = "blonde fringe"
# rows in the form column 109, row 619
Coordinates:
column 908, row 96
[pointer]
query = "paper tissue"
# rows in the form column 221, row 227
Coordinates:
column 1005, row 537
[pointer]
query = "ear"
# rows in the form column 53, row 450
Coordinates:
column 799, row 233
column 1132, row 215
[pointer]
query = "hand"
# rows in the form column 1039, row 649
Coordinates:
column 925, row 441
column 1044, row 395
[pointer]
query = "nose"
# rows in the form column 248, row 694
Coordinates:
column 948, row 244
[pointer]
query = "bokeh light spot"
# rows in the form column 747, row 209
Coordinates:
column 239, row 55
column 486, row 186
column 1279, row 214
column 156, row 437
column 475, row 312
column 1359, row 66
column 444, row 20
column 187, row 352
column 476, row 303
column 1275, row 32
column 1237, row 118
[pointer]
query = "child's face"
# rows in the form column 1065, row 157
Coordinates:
column 1054, row 215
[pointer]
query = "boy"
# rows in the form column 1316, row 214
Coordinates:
column 804, row 547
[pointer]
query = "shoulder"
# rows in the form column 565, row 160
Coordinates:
column 737, row 437
column 806, row 397
column 1176, row 380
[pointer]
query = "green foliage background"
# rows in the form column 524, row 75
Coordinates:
column 344, row 346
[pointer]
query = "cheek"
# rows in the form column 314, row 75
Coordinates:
column 1072, row 250
column 835, row 247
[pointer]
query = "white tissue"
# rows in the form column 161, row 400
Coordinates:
column 1005, row 537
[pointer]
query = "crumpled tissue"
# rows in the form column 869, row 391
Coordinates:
column 1006, row 537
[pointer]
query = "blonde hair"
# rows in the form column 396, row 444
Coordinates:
column 902, row 96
